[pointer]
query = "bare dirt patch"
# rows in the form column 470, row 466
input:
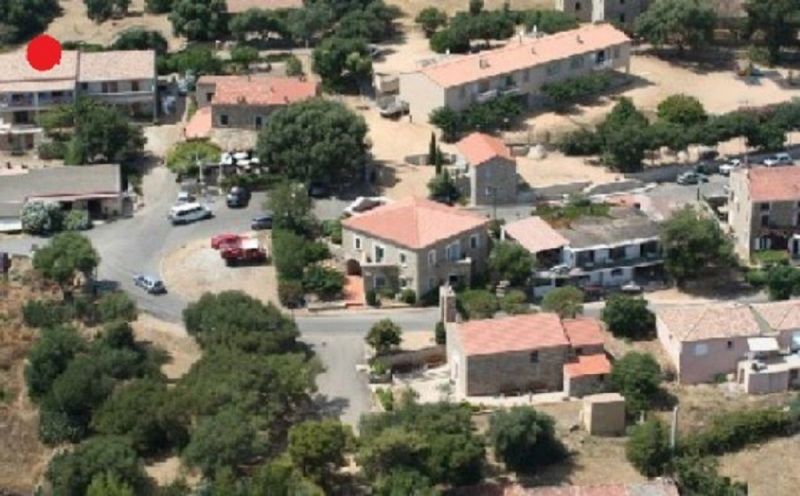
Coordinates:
column 74, row 25
column 196, row 268
column 766, row 467
column 183, row 350
column 411, row 7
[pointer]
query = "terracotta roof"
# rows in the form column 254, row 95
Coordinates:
column 263, row 91
column 584, row 332
column 768, row 184
column 588, row 365
column 478, row 148
column 509, row 334
column 118, row 65
column 780, row 315
column 238, row 6
column 712, row 321
column 199, row 126
column 529, row 52
column 535, row 235
column 414, row 222
column 14, row 67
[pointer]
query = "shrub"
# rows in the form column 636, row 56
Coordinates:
column 569, row 91
column 566, row 301
column 581, row 142
column 54, row 150
column 49, row 358
column 325, row 282
column 629, row 317
column 734, row 430
column 637, row 377
column 648, row 448
column 372, row 298
column 782, row 281
column 515, row 302
column 293, row 66
column 383, row 336
column 525, row 439
column 46, row 313
column 408, row 296
column 41, row 218
column 333, row 230
column 756, row 278
column 440, row 333
column 184, row 157
column 116, row 306
column 291, row 293
column 478, row 304
column 77, row 220
column 386, row 398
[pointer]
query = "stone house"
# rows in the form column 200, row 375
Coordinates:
column 764, row 210
column 415, row 244
column 519, row 68
column 621, row 13
column 246, row 102
column 524, row 353
column 123, row 78
column 485, row 170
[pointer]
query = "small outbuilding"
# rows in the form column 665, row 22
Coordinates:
column 604, row 414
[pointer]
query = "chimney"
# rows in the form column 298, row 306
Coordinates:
column 533, row 50
column 578, row 38
column 242, row 99
column 483, row 63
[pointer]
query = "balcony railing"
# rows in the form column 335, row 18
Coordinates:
column 620, row 262
column 486, row 96
column 511, row 91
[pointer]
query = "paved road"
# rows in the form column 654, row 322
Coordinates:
column 138, row 244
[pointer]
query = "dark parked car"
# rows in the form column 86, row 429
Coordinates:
column 150, row 284
column 318, row 190
column 238, row 197
column 261, row 222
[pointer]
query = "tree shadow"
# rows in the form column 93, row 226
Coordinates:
column 327, row 407
column 628, row 82
column 555, row 474
column 701, row 62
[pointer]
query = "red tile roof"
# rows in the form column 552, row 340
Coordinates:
column 508, row 334
column 199, row 126
column 584, row 332
column 588, row 365
column 769, row 184
column 479, row 148
column 262, row 90
column 529, row 52
column 414, row 222
column 535, row 235
column 238, row 6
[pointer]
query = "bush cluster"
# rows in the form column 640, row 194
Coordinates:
column 490, row 116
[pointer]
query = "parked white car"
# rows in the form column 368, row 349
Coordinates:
column 778, row 159
column 729, row 166
column 188, row 212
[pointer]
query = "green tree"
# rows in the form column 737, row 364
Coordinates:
column 401, row 482
column 478, row 304
column 648, row 448
column 244, row 56
column 682, row 109
column 236, row 320
column 294, row 67
column 20, row 19
column 430, row 19
column 197, row 59
column 101, row 10
column 72, row 472
column 77, row 220
column 116, row 306
column 782, row 282
column 291, row 208
column 629, row 317
column 566, row 301
column 625, row 147
column 693, row 244
column 454, row 39
column 677, row 22
column 776, row 20
column 49, row 358
column 108, row 485
column 515, row 302
column 637, row 377
column 326, row 282
column 65, row 256
column 448, row 120
column 314, row 140
column 390, row 449
column 225, row 440
column 186, row 157
column 383, row 336
column 292, row 253
column 375, row 22
column 42, row 218
column 475, row 7
column 307, row 23
column 141, row 39
column 256, row 21
column 158, row 6
column 199, row 20
column 342, row 63
column 697, row 476
column 280, row 478
column 144, row 412
column 317, row 448
column 525, row 439
column 442, row 188
column 440, row 333
column 101, row 133
column 511, row 262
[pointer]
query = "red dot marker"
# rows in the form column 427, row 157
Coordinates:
column 44, row 52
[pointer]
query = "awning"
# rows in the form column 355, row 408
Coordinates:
column 762, row 345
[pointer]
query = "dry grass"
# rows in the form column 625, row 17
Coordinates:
column 767, row 468
column 411, row 7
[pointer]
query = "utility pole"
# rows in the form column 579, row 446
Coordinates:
column 673, row 435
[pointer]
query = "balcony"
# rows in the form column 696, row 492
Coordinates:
column 647, row 259
column 486, row 96
column 11, row 102
column 511, row 91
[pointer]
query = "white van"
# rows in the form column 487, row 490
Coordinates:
column 188, row 212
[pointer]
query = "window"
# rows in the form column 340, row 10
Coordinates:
column 431, row 283
column 765, row 220
column 622, row 18
column 379, row 253
column 259, row 122
column 209, row 96
column 403, row 282
column 84, row 86
column 453, row 251
column 510, row 81
column 474, row 241
column 616, row 273
column 700, row 349
column 432, row 257
column 764, row 207
column 380, row 281
column 730, row 345
column 600, row 57
column 135, row 86
column 617, row 253
column 577, row 6
column 797, row 220
column 535, row 357
column 357, row 243
column 223, row 120
column 403, row 258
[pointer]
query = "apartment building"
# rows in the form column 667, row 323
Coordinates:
column 519, row 68
column 590, row 251
column 484, row 170
column 123, row 78
column 764, row 210
column 246, row 102
column 621, row 13
column 416, row 244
